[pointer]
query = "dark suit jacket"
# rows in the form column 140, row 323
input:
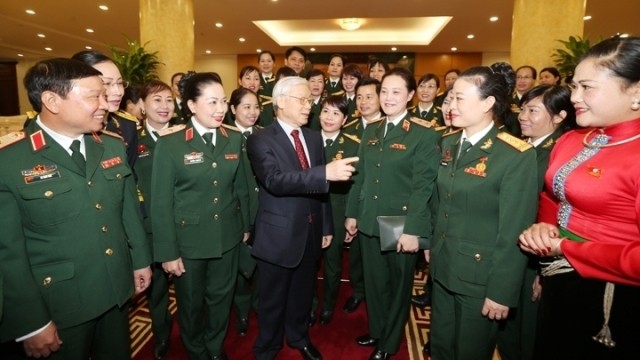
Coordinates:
column 290, row 199
column 70, row 241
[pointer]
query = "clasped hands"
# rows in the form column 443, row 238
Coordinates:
column 541, row 239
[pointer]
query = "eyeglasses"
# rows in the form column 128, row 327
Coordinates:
column 303, row 101
column 117, row 84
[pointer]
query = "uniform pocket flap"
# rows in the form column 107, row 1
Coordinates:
column 475, row 251
column 49, row 274
column 45, row 190
column 185, row 219
column 117, row 172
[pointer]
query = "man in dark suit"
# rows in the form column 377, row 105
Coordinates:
column 293, row 222
column 75, row 245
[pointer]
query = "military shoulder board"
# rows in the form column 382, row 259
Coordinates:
column 516, row 143
column 171, row 130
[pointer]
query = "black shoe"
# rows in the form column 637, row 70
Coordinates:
column 351, row 305
column 160, row 349
column 310, row 352
column 326, row 317
column 312, row 319
column 366, row 340
column 242, row 326
column 222, row 356
column 378, row 354
column 422, row 300
column 427, row 348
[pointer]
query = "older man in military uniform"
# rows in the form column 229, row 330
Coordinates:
column 69, row 187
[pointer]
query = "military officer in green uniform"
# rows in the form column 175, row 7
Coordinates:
column 368, row 105
column 179, row 114
column 351, row 76
column 200, row 214
column 266, row 61
column 333, row 84
column 546, row 114
column 486, row 197
column 427, row 109
column 77, row 235
column 158, row 103
column 246, row 109
column 337, row 146
column 315, row 77
column 395, row 176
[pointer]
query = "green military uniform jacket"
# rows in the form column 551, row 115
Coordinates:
column 200, row 204
column 331, row 90
column 543, row 151
column 179, row 114
column 352, row 109
column 344, row 146
column 314, row 116
column 434, row 114
column 266, row 102
column 73, row 240
column 355, row 127
column 486, row 199
column 143, row 168
column 396, row 175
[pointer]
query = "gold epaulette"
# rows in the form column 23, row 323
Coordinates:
column 352, row 137
column 516, row 143
column 230, row 127
column 31, row 114
column 127, row 116
column 440, row 128
column 337, row 93
column 423, row 123
column 353, row 122
column 451, row 133
column 412, row 108
column 12, row 138
column 112, row 134
column 171, row 130
column 258, row 127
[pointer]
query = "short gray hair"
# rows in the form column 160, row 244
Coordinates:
column 283, row 87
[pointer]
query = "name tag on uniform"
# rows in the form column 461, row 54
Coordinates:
column 193, row 158
column 40, row 173
column 109, row 163
column 231, row 156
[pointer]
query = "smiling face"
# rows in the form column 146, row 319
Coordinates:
column 250, row 80
column 367, row 100
column 247, row 111
column 83, row 110
column 449, row 79
column 331, row 119
column 112, row 82
column 295, row 107
column 427, row 91
column 210, row 107
column 159, row 108
column 266, row 63
column 377, row 71
column 524, row 80
column 535, row 120
column 547, row 78
column 394, row 95
column 601, row 98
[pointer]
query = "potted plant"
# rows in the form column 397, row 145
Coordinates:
column 136, row 64
column 566, row 59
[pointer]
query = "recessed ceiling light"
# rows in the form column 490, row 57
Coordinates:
column 207, row 52
column 242, row 39
column 394, row 48
column 42, row 35
column 404, row 56
column 258, row 50
column 625, row 35
column 20, row 55
column 470, row 36
column 493, row 19
column 218, row 25
column 454, row 49
column 103, row 7
column 48, row 49
column 89, row 30
column 312, row 49
column 30, row 12
column 88, row 47
column 587, row 17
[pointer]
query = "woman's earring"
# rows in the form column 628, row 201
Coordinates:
column 635, row 105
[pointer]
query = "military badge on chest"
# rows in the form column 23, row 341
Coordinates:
column 194, row 158
column 339, row 155
column 446, row 158
column 40, row 173
column 480, row 169
column 143, row 150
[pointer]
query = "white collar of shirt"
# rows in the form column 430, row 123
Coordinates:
column 334, row 80
column 539, row 141
column 62, row 140
column 333, row 138
column 243, row 129
column 288, row 129
column 351, row 97
column 397, row 120
column 266, row 76
column 202, row 130
column 151, row 131
column 317, row 100
column 473, row 139
column 427, row 110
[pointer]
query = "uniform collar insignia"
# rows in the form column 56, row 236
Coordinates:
column 188, row 135
column 406, row 125
column 38, row 141
column 487, row 145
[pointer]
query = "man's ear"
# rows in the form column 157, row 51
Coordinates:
column 51, row 101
